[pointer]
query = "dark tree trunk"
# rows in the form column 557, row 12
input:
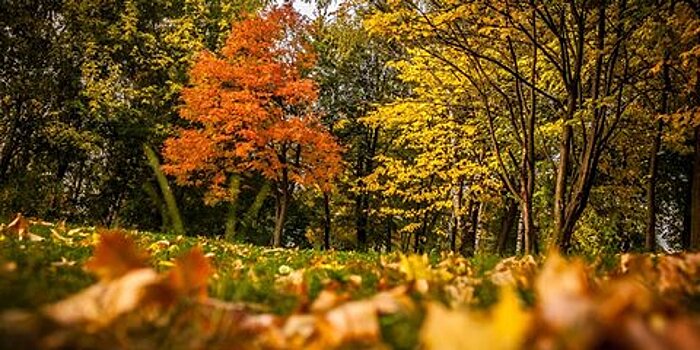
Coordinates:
column 281, row 201
column 528, row 181
column 650, row 236
column 570, row 201
column 326, row 222
column 650, row 239
column 361, row 221
column 695, row 196
column 389, row 232
column 364, row 167
column 510, row 218
column 456, row 216
column 280, row 216
column 468, row 246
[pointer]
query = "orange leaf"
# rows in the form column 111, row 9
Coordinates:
column 190, row 274
column 19, row 227
column 115, row 255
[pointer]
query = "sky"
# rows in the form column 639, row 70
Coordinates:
column 307, row 8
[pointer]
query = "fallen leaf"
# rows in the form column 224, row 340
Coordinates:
column 18, row 228
column 504, row 328
column 115, row 255
column 190, row 275
column 564, row 293
column 100, row 304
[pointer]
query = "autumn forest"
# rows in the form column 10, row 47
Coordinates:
column 429, row 136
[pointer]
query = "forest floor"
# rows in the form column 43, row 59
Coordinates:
column 86, row 288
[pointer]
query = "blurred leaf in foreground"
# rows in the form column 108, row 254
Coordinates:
column 504, row 327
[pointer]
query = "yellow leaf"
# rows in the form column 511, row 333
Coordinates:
column 564, row 292
column 505, row 327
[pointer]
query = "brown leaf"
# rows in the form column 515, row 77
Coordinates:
column 18, row 228
column 564, row 293
column 326, row 300
column 115, row 255
column 352, row 322
column 190, row 275
column 514, row 271
column 100, row 304
column 683, row 334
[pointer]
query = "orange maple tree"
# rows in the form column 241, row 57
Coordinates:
column 251, row 111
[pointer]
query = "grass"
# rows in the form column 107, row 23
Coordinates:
column 37, row 273
column 49, row 270
column 286, row 282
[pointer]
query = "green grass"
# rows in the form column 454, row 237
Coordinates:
column 49, row 270
column 287, row 281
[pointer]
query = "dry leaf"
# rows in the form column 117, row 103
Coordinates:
column 115, row 255
column 100, row 304
column 190, row 275
column 504, row 328
column 564, row 293
column 19, row 228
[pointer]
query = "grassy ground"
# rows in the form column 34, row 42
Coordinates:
column 47, row 266
column 51, row 269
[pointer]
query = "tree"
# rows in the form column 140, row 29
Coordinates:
column 83, row 86
column 542, row 61
column 436, row 164
column 353, row 78
column 249, row 109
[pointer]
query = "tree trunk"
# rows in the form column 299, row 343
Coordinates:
column 232, row 215
column 570, row 201
column 650, row 239
column 453, row 233
column 529, row 233
column 282, row 200
column 456, row 216
column 280, row 216
column 562, row 174
column 389, row 229
column 249, row 219
column 327, row 222
column 519, row 235
column 364, row 167
column 361, row 221
column 510, row 217
column 170, row 202
column 155, row 198
column 695, row 199
column 418, row 235
column 468, row 246
column 529, row 161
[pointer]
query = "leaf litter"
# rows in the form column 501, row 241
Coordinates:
column 644, row 302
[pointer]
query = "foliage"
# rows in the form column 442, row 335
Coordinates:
column 252, row 104
column 84, row 86
column 250, row 112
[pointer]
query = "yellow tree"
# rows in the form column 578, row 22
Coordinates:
column 543, row 61
column 436, row 160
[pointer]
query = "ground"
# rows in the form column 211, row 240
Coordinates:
column 81, row 287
